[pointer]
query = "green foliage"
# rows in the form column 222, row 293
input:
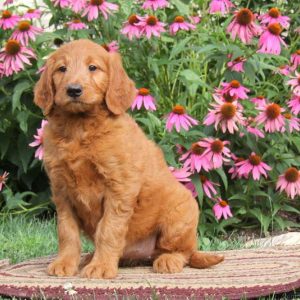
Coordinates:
column 182, row 69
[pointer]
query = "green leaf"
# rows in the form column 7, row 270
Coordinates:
column 206, row 48
column 280, row 222
column 238, row 197
column 22, row 117
column 25, row 152
column 18, row 91
column 196, row 181
column 190, row 75
column 250, row 72
column 261, row 194
column 156, row 122
column 263, row 219
column 296, row 141
column 230, row 75
column 235, row 51
column 182, row 7
column 289, row 208
column 223, row 176
column 46, row 37
column 167, row 39
column 168, row 154
column 5, row 140
column 180, row 47
column 13, row 201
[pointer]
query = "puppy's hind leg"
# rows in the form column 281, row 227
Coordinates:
column 177, row 242
column 177, row 239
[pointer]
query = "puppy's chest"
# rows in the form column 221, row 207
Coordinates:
column 77, row 170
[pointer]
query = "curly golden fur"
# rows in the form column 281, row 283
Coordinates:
column 107, row 178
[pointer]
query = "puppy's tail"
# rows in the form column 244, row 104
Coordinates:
column 201, row 260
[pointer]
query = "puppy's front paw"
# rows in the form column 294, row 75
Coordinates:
column 100, row 270
column 63, row 267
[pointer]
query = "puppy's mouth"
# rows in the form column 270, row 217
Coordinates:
column 77, row 101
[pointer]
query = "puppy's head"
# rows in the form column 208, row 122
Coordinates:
column 81, row 75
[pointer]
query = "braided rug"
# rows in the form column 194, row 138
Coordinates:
column 247, row 273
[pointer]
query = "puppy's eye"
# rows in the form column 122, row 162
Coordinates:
column 62, row 69
column 92, row 68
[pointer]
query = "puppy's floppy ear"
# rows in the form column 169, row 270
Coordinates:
column 121, row 90
column 44, row 89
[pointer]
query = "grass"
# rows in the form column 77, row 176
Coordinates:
column 22, row 239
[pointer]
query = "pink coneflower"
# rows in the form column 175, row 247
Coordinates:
column 293, row 123
column 130, row 28
column 195, row 19
column 3, row 179
column 274, row 16
column 215, row 151
column 94, row 6
column 179, row 149
column 61, row 3
column 76, row 24
column 25, row 32
column 222, row 208
column 41, row 69
column 208, row 186
column 180, row 119
column 111, row 47
column 259, row 101
column 182, row 175
column 234, row 169
column 150, row 25
column 78, row 5
column 243, row 25
column 13, row 56
column 295, row 83
column 270, row 40
column 289, row 182
column 294, row 104
column 271, row 117
column 32, row 14
column 284, row 70
column 8, row 2
column 255, row 131
column 38, row 142
column 193, row 159
column 221, row 97
column 143, row 98
column 155, row 4
column 190, row 186
column 237, row 64
column 8, row 20
column 234, row 88
column 253, row 165
column 225, row 115
column 295, row 59
column 180, row 24
column 220, row 6
column 1, row 69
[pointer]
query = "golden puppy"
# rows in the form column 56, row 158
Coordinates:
column 107, row 178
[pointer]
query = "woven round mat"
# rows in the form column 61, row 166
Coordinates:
column 244, row 273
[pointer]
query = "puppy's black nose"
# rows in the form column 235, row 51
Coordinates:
column 74, row 90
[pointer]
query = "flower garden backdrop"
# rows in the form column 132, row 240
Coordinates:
column 218, row 89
